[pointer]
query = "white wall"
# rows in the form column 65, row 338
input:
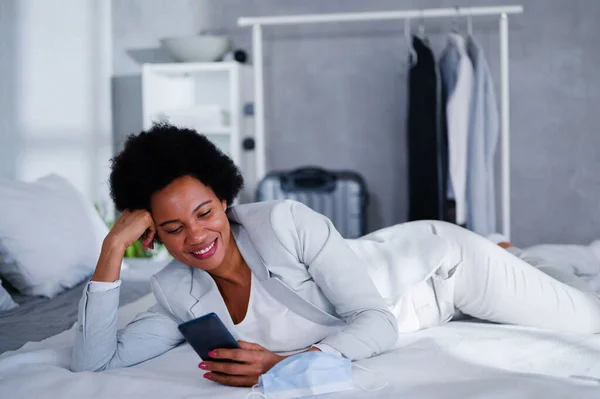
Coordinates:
column 56, row 67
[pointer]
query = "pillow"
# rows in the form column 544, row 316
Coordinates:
column 52, row 234
column 6, row 302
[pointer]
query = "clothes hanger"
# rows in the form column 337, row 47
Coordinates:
column 455, row 17
column 412, row 54
column 469, row 23
column 421, row 29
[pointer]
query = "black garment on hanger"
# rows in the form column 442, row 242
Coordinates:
column 427, row 147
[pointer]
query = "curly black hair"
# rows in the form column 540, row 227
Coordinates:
column 153, row 159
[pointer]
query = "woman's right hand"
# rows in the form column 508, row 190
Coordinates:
column 130, row 227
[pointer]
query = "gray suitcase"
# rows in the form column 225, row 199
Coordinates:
column 340, row 195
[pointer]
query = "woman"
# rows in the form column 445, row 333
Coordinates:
column 280, row 276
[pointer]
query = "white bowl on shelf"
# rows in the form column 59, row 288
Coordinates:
column 196, row 48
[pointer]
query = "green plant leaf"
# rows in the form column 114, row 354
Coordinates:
column 129, row 252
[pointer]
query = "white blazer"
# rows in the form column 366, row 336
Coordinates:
column 300, row 258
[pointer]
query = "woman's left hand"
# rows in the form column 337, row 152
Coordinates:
column 253, row 359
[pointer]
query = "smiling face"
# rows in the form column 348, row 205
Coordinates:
column 192, row 224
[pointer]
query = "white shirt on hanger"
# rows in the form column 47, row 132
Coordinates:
column 458, row 108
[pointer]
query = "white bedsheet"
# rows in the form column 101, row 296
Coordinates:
column 459, row 360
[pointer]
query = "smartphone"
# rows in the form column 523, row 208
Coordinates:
column 207, row 333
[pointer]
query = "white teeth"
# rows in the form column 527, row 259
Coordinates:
column 203, row 251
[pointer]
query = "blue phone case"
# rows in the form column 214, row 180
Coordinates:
column 207, row 333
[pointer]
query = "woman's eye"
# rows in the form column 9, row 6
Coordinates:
column 177, row 230
column 201, row 215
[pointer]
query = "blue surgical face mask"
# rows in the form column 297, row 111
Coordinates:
column 305, row 374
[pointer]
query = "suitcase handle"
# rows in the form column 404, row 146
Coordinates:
column 309, row 178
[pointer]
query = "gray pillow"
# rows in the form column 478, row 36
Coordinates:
column 51, row 231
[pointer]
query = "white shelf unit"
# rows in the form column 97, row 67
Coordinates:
column 208, row 97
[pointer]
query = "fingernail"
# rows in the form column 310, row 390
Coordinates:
column 212, row 353
column 208, row 376
column 202, row 365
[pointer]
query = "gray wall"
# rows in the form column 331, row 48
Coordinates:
column 336, row 96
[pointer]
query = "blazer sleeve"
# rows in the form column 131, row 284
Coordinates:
column 370, row 327
column 98, row 344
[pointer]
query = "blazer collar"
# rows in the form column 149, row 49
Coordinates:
column 209, row 299
column 249, row 253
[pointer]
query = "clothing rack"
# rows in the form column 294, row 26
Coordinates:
column 419, row 14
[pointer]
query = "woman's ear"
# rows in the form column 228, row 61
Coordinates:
column 224, row 203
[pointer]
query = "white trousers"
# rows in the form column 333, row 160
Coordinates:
column 492, row 284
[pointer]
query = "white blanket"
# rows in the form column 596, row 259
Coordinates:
column 459, row 360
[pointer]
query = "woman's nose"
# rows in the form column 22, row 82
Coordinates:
column 197, row 234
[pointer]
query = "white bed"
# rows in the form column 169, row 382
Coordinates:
column 458, row 360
